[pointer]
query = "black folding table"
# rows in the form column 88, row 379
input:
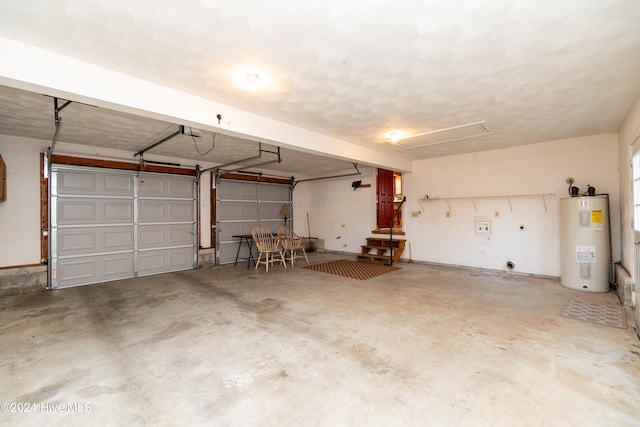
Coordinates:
column 248, row 239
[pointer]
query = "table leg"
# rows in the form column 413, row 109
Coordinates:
column 238, row 252
column 250, row 257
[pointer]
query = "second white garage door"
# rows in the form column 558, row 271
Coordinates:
column 241, row 205
column 110, row 224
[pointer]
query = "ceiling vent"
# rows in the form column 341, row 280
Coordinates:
column 443, row 136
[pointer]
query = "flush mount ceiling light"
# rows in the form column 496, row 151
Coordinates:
column 251, row 78
column 394, row 136
column 253, row 81
column 441, row 136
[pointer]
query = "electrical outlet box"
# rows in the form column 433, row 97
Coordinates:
column 483, row 227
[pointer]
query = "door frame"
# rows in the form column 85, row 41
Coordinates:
column 397, row 225
column 635, row 180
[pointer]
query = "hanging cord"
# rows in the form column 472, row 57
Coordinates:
column 213, row 143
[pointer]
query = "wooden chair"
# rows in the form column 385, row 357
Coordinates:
column 291, row 243
column 267, row 245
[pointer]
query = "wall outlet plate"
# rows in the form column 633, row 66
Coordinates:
column 483, row 227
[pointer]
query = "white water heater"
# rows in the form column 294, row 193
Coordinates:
column 585, row 245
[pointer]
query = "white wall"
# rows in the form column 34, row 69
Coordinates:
column 338, row 214
column 20, row 213
column 531, row 169
column 629, row 132
column 434, row 237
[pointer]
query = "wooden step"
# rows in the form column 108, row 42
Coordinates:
column 370, row 250
column 377, row 249
column 383, row 248
column 371, row 240
column 373, row 258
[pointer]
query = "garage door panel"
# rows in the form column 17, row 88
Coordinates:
column 118, row 184
column 157, row 235
column 77, row 182
column 237, row 211
column 117, row 238
column 230, row 229
column 78, row 241
column 165, row 260
column 180, row 235
column 94, row 269
column 271, row 211
column 241, row 205
column 229, row 244
column 229, row 249
column 150, row 237
column 151, row 211
column 117, row 267
column 72, row 211
column 179, row 260
column 165, row 211
column 180, row 210
column 71, row 271
column 149, row 262
column 273, row 224
column 165, row 186
column 71, row 182
column 116, row 211
column 96, row 214
column 228, row 252
column 74, row 241
column 274, row 192
column 237, row 190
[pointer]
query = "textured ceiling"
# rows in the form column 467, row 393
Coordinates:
column 533, row 70
column 31, row 115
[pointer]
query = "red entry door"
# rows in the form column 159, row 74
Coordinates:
column 385, row 197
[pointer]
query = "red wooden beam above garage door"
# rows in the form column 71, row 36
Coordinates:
column 111, row 164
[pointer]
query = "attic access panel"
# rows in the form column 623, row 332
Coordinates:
column 443, row 136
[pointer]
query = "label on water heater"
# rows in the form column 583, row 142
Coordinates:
column 596, row 220
column 586, row 254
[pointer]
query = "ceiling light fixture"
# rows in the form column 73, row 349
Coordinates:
column 252, row 82
column 394, row 136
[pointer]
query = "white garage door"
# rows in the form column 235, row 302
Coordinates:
column 241, row 205
column 109, row 224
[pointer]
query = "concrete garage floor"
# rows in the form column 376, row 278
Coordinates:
column 229, row 346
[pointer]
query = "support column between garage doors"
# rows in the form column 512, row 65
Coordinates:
column 110, row 224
